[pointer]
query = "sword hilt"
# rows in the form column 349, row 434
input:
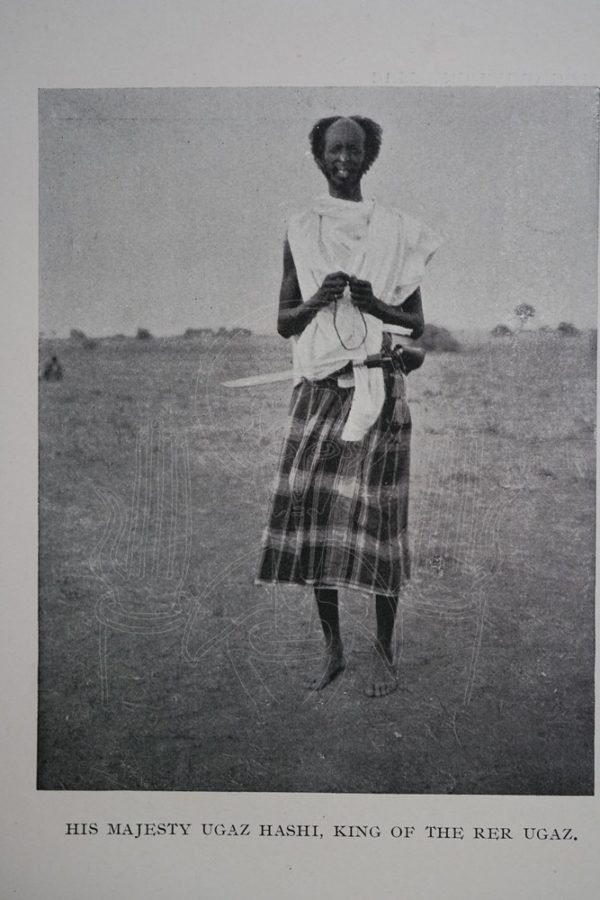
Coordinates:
column 404, row 359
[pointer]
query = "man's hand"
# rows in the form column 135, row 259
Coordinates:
column 362, row 296
column 332, row 288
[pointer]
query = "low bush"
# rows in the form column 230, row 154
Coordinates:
column 143, row 334
column 77, row 335
column 198, row 332
column 501, row 331
column 435, row 338
column 567, row 329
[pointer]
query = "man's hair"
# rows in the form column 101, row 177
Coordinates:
column 372, row 138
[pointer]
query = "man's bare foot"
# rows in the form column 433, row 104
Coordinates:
column 334, row 664
column 383, row 679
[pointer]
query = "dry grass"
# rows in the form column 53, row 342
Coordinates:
column 502, row 511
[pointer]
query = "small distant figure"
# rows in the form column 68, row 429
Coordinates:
column 53, row 371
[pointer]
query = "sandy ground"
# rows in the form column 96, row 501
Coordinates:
column 203, row 672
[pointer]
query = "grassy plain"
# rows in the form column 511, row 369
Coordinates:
column 502, row 518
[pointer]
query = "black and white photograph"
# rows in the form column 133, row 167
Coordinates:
column 299, row 369
column 317, row 391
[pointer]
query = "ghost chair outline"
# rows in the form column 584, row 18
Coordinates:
column 454, row 533
column 143, row 554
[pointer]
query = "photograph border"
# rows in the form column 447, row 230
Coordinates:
column 53, row 48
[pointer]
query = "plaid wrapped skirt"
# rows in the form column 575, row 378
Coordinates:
column 339, row 510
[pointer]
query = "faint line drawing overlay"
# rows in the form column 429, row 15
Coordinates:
column 143, row 558
column 455, row 539
column 277, row 626
column 254, row 443
column 274, row 631
column 456, row 546
column 144, row 552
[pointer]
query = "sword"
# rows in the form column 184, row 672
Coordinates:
column 406, row 359
column 269, row 378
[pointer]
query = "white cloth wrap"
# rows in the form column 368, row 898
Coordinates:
column 364, row 239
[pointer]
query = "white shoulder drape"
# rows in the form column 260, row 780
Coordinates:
column 364, row 239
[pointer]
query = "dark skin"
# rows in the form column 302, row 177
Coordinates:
column 295, row 313
column 342, row 165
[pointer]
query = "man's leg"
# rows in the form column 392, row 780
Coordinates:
column 383, row 676
column 327, row 605
column 385, row 612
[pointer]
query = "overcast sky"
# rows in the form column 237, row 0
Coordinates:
column 166, row 208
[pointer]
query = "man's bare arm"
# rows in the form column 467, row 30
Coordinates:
column 408, row 315
column 295, row 313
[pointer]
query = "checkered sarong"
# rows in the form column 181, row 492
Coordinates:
column 339, row 510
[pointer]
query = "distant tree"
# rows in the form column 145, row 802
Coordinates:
column 524, row 312
column 143, row 334
column 567, row 329
column 501, row 331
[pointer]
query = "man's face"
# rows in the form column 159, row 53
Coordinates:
column 343, row 154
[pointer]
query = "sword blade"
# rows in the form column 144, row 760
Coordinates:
column 398, row 329
column 269, row 378
column 287, row 374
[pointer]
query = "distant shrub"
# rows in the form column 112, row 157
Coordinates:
column 231, row 332
column 546, row 329
column 77, row 335
column 567, row 329
column 501, row 331
column 436, row 338
column 143, row 335
column 90, row 344
column 197, row 332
